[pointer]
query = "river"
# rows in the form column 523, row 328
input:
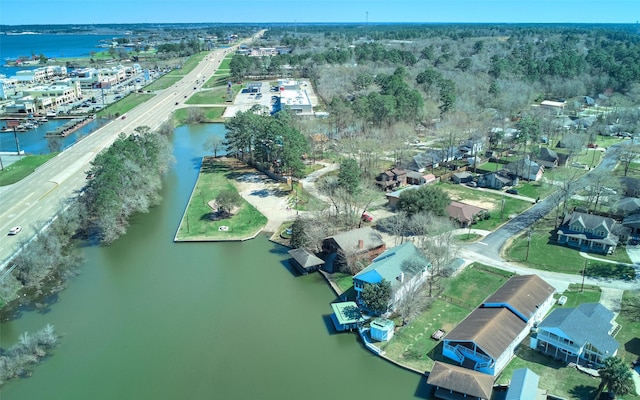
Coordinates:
column 151, row 319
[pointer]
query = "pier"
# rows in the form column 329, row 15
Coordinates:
column 70, row 127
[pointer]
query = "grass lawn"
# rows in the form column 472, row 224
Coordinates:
column 22, row 168
column 545, row 254
column 211, row 114
column 214, row 177
column 536, row 189
column 129, row 102
column 555, row 376
column 629, row 335
column 220, row 78
column 412, row 344
column 188, row 65
column 226, row 62
column 468, row 237
column 303, row 201
column 163, row 82
column 342, row 280
column 577, row 295
column 217, row 95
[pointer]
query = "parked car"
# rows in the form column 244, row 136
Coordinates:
column 472, row 184
column 124, row 117
column 90, row 176
column 367, row 217
column 15, row 230
column 512, row 191
column 562, row 300
column 592, row 146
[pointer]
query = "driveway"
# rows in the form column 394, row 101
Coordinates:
column 634, row 254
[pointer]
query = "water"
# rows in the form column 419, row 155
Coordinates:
column 152, row 319
column 34, row 142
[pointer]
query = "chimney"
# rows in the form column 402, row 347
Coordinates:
column 361, row 244
column 401, row 277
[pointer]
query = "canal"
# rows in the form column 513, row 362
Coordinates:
column 151, row 319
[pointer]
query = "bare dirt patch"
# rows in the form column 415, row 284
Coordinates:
column 454, row 195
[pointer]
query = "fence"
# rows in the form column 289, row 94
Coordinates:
column 457, row 302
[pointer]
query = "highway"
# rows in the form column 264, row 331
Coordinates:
column 34, row 201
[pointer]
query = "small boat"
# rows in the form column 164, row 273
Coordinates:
column 6, row 129
column 51, row 114
column 21, row 128
column 30, row 125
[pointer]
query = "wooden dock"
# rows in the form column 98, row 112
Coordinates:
column 70, row 127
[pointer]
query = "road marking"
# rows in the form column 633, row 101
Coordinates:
column 49, row 191
column 483, row 243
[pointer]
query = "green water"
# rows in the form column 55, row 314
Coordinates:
column 151, row 319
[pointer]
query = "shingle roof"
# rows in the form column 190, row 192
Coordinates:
column 463, row 212
column 492, row 329
column 523, row 293
column 461, row 380
column 349, row 240
column 587, row 323
column 589, row 221
column 305, row 258
column 390, row 264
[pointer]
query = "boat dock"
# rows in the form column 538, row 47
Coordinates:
column 70, row 126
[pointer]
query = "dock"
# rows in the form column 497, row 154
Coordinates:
column 70, row 127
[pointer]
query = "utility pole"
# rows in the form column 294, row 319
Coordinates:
column 528, row 245
column 584, row 272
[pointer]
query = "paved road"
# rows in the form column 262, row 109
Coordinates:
column 34, row 201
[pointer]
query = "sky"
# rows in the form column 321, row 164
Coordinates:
column 20, row 12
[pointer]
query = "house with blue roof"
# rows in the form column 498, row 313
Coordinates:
column 524, row 385
column 580, row 335
column 404, row 266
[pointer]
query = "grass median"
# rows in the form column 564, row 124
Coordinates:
column 196, row 225
column 22, row 168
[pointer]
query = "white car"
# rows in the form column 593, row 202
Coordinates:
column 562, row 300
column 15, row 230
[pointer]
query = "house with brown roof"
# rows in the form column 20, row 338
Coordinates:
column 486, row 340
column 452, row 382
column 391, row 179
column 464, row 214
column 361, row 243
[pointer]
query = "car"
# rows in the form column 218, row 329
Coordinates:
column 195, row 88
column 472, row 184
column 634, row 242
column 15, row 230
column 185, row 96
column 562, row 300
column 177, row 103
column 90, row 175
column 512, row 191
column 367, row 217
column 592, row 146
column 124, row 117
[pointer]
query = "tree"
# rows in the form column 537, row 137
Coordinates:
column 226, row 200
column 376, row 297
column 349, row 176
column 424, row 199
column 626, row 154
column 616, row 376
column 195, row 115
column 214, row 144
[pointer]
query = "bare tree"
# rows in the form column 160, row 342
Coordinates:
column 626, row 154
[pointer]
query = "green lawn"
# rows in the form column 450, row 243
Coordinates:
column 412, row 344
column 214, row 177
column 629, row 335
column 129, row 102
column 342, row 280
column 217, row 95
column 546, row 255
column 22, row 168
column 211, row 114
column 468, row 237
column 164, row 82
column 226, row 62
column 220, row 78
column 189, row 64
column 301, row 200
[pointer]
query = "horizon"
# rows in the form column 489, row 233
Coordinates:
column 103, row 12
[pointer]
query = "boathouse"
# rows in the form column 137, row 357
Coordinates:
column 304, row 261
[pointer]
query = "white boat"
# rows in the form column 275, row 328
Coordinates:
column 51, row 114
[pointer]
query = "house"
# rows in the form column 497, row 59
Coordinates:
column 417, row 178
column 394, row 197
column 486, row 340
column 382, row 329
column 548, row 158
column 452, row 382
column 464, row 214
column 471, row 147
column 632, row 223
column 362, row 243
column 525, row 169
column 581, row 335
column 305, row 261
column 495, row 180
column 588, row 232
column 346, row 316
column 392, row 179
column 429, row 159
column 404, row 267
column 462, row 177
column 627, row 206
column 524, row 385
